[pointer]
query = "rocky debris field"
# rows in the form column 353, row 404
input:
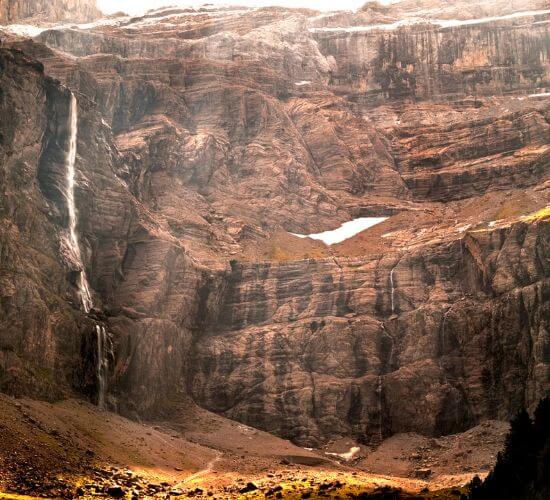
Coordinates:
column 72, row 449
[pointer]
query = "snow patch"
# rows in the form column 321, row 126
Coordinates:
column 24, row 29
column 33, row 31
column 123, row 22
column 345, row 231
column 302, row 82
column 96, row 24
column 349, row 455
column 543, row 94
column 443, row 23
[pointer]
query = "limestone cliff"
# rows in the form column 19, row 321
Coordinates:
column 205, row 138
column 413, row 342
column 31, row 11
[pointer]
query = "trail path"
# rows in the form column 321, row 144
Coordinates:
column 203, row 472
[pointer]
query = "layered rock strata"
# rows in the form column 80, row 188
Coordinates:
column 205, row 138
column 430, row 340
column 30, row 11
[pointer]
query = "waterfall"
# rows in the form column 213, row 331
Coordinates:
column 102, row 367
column 379, row 390
column 392, row 290
column 442, row 353
column 75, row 255
column 390, row 358
column 443, row 331
column 392, row 350
column 72, row 240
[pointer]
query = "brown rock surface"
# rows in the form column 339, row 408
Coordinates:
column 32, row 11
column 41, row 331
column 205, row 138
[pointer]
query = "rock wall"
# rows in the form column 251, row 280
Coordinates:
column 450, row 159
column 42, row 333
column 313, row 349
column 48, row 346
column 195, row 152
column 28, row 11
column 427, row 61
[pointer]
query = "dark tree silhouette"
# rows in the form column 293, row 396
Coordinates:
column 522, row 470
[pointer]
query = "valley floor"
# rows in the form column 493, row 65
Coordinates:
column 73, row 448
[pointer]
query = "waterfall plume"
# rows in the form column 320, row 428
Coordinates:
column 72, row 238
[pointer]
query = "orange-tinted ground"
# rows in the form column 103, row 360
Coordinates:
column 57, row 450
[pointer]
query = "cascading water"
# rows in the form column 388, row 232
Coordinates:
column 442, row 349
column 72, row 239
column 392, row 349
column 379, row 391
column 102, row 368
column 73, row 246
column 392, row 290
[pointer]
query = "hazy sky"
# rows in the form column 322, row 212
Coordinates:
column 139, row 6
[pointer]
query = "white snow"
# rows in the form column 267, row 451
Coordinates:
column 345, row 231
column 24, row 29
column 96, row 24
column 154, row 19
column 463, row 228
column 302, row 82
column 31, row 31
column 142, row 7
column 443, row 23
column 544, row 94
column 349, row 455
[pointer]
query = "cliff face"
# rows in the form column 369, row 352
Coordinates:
column 42, row 334
column 427, row 341
column 204, row 140
column 50, row 347
column 434, row 60
column 29, row 11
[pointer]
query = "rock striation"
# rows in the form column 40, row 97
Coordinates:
column 317, row 348
column 42, row 331
column 32, row 11
column 439, row 59
column 205, row 138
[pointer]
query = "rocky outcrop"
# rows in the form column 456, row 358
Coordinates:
column 49, row 347
column 42, row 333
column 32, row 11
column 431, row 60
column 416, row 342
column 460, row 9
column 200, row 146
column 450, row 158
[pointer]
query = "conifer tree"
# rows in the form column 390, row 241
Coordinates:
column 522, row 470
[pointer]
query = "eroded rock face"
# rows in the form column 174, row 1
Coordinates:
column 28, row 11
column 205, row 138
column 332, row 348
column 43, row 335
column 428, row 60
